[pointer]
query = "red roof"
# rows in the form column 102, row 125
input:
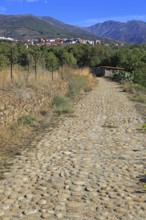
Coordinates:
column 111, row 67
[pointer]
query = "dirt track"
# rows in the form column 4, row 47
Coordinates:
column 91, row 166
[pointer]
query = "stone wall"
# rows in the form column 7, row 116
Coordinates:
column 24, row 101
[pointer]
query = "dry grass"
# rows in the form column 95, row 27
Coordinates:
column 139, row 97
column 138, row 92
column 133, row 88
column 10, row 135
column 23, row 78
column 79, row 79
column 84, row 72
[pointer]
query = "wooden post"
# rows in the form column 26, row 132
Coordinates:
column 11, row 63
column 52, row 74
column 35, row 66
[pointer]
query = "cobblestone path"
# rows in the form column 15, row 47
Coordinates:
column 88, row 167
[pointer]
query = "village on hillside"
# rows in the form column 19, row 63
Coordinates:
column 57, row 41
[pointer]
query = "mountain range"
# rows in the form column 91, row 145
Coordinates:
column 131, row 31
column 26, row 26
column 23, row 27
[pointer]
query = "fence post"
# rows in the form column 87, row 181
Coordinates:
column 11, row 63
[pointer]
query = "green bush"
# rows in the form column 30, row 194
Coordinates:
column 122, row 76
column 26, row 119
column 140, row 76
column 62, row 105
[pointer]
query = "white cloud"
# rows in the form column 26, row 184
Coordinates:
column 92, row 21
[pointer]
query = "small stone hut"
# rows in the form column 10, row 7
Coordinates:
column 106, row 71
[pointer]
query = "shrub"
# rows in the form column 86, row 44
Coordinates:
column 122, row 76
column 143, row 127
column 62, row 105
column 133, row 88
column 140, row 76
column 76, row 84
column 138, row 92
column 139, row 97
column 78, row 80
column 26, row 119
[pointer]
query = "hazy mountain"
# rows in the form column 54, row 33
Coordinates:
column 24, row 26
column 132, row 31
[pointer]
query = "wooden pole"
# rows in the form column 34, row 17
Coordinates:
column 11, row 63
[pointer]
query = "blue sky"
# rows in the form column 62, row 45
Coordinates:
column 78, row 12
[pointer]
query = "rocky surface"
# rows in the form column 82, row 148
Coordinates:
column 91, row 166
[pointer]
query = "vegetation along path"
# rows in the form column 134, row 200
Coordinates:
column 91, row 166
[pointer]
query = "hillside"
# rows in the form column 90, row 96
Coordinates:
column 24, row 26
column 132, row 31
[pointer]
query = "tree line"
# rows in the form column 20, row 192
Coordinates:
column 131, row 57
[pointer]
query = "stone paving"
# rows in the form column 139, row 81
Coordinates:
column 87, row 168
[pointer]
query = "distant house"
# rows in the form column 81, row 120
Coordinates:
column 106, row 71
column 70, row 41
column 97, row 42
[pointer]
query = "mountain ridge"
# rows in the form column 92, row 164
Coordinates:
column 25, row 26
column 133, row 31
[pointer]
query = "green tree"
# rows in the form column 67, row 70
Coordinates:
column 52, row 62
column 22, row 55
column 68, row 58
column 36, row 54
column 4, row 62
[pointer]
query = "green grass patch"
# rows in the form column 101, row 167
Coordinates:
column 143, row 127
column 26, row 119
column 62, row 105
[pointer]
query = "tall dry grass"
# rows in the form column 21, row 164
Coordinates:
column 24, row 78
column 137, row 92
column 76, row 79
column 84, row 72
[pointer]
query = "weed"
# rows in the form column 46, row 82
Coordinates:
column 14, row 128
column 145, row 175
column 138, row 92
column 78, row 80
column 26, row 119
column 138, row 97
column 62, row 105
column 144, row 128
column 76, row 84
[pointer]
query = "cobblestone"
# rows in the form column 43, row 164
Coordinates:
column 86, row 168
